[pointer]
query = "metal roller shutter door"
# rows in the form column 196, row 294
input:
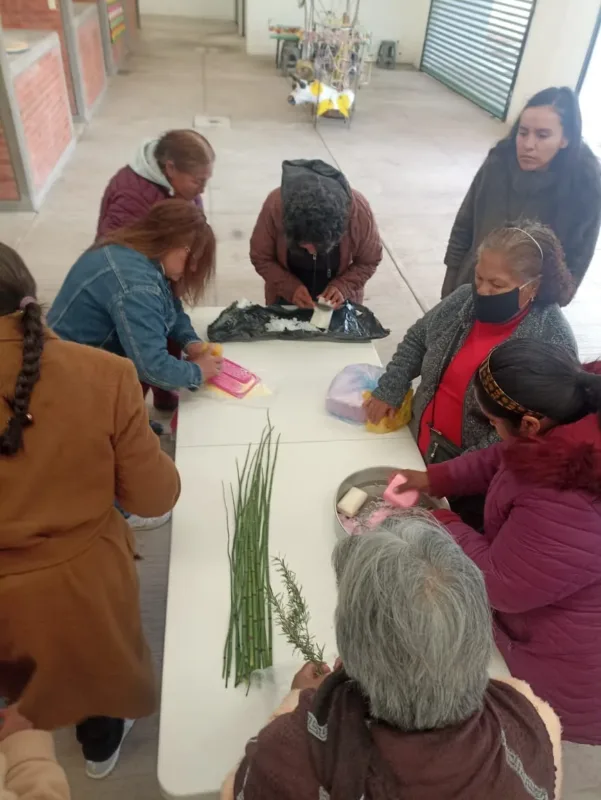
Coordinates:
column 475, row 47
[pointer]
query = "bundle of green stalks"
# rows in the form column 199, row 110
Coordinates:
column 248, row 646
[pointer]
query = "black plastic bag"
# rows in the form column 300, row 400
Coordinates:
column 350, row 323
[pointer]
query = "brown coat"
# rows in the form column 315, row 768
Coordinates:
column 71, row 640
column 360, row 251
column 290, row 705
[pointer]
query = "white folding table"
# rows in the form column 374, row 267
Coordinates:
column 204, row 726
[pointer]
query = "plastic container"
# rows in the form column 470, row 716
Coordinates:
column 234, row 379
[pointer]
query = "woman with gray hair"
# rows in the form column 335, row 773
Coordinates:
column 412, row 714
column 521, row 281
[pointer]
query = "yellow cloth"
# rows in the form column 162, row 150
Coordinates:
column 402, row 416
column 215, row 350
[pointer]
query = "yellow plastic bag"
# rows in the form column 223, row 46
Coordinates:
column 216, row 350
column 401, row 417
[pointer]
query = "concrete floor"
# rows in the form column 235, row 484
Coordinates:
column 412, row 150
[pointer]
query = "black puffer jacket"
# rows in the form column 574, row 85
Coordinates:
column 502, row 193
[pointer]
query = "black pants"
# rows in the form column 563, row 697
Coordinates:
column 470, row 509
column 99, row 737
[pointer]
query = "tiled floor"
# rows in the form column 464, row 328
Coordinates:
column 412, row 149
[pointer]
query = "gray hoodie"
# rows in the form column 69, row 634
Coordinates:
column 146, row 166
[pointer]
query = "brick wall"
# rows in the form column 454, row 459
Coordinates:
column 43, row 104
column 35, row 15
column 89, row 44
column 8, row 184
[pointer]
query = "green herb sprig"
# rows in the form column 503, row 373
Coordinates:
column 292, row 615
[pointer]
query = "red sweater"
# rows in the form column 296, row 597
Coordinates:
column 444, row 413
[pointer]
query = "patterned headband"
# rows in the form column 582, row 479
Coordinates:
column 494, row 391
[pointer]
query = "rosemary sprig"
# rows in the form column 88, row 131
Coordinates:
column 292, row 615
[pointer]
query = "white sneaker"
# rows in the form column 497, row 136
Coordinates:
column 97, row 770
column 137, row 523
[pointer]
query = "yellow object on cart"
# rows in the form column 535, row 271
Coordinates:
column 402, row 416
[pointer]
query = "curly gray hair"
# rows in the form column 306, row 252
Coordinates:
column 413, row 624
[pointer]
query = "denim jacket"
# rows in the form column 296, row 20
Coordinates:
column 117, row 299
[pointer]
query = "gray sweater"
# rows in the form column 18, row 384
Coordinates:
column 433, row 341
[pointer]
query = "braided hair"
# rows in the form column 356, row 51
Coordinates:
column 17, row 293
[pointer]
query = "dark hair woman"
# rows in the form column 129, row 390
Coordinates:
column 118, row 295
column 315, row 237
column 541, row 549
column 74, row 435
column 542, row 171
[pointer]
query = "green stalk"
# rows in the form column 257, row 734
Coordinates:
column 249, row 638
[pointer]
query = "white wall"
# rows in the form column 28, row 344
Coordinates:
column 413, row 30
column 258, row 15
column 202, row 9
column 239, row 7
column 560, row 34
column 400, row 20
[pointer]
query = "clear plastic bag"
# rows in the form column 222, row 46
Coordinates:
column 352, row 387
column 345, row 396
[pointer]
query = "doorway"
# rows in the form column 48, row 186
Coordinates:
column 589, row 88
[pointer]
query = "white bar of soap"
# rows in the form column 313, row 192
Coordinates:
column 352, row 502
column 322, row 318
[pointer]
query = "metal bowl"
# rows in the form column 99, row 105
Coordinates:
column 374, row 481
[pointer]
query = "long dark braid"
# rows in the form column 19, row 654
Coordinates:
column 17, row 291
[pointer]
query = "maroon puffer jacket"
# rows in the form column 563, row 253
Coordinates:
column 360, row 251
column 541, row 558
column 127, row 198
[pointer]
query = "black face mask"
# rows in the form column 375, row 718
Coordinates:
column 496, row 307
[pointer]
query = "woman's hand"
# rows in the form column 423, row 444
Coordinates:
column 377, row 410
column 333, row 296
column 11, row 721
column 196, row 349
column 209, row 365
column 302, row 299
column 310, row 676
column 414, row 479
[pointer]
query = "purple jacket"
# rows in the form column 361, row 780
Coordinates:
column 127, row 198
column 541, row 558
column 129, row 195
